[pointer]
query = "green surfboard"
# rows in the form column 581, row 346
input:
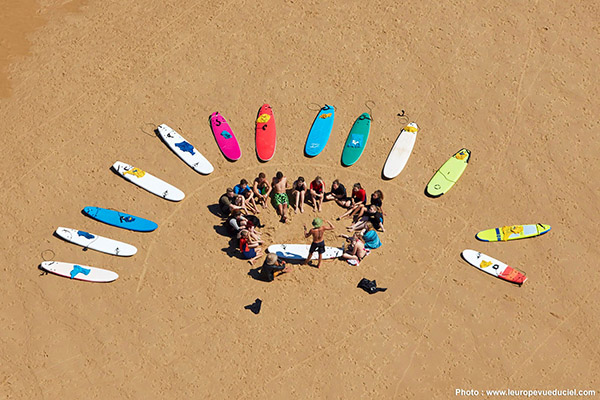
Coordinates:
column 448, row 174
column 357, row 140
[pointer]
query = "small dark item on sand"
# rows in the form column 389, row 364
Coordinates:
column 254, row 307
column 370, row 286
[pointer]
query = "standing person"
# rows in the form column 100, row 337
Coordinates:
column 317, row 189
column 338, row 193
column 279, row 185
column 261, row 189
column 299, row 190
column 318, row 239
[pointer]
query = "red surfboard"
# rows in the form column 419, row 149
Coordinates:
column 266, row 136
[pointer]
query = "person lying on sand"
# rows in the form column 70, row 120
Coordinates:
column 318, row 236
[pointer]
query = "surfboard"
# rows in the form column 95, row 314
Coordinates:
column 512, row 232
column 401, row 151
column 225, row 138
column 148, row 182
column 95, row 242
column 300, row 251
column 188, row 153
column 79, row 272
column 448, row 174
column 319, row 133
column 266, row 135
column 120, row 220
column 357, row 140
column 493, row 267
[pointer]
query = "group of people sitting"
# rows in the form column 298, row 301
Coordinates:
column 241, row 204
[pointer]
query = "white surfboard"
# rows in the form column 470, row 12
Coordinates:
column 188, row 153
column 300, row 251
column 494, row 267
column 95, row 242
column 149, row 182
column 401, row 151
column 79, row 272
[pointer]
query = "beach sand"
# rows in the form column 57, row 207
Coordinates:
column 87, row 82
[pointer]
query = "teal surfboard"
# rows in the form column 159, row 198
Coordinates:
column 320, row 131
column 120, row 219
column 357, row 140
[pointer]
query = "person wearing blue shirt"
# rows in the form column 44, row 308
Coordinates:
column 370, row 237
column 242, row 188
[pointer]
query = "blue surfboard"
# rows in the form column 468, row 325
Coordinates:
column 320, row 131
column 120, row 220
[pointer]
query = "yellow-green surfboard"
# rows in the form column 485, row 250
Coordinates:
column 512, row 232
column 448, row 174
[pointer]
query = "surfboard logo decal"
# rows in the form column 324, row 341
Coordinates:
column 356, row 141
column 263, row 119
column 78, row 269
column 325, row 116
column 485, row 264
column 226, row 135
column 409, row 128
column 85, row 235
column 185, row 147
column 126, row 219
column 461, row 155
column 135, row 172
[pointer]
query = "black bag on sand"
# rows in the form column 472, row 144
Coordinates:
column 370, row 286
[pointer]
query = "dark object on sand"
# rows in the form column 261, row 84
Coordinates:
column 370, row 286
column 254, row 307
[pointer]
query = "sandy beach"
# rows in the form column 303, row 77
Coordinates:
column 85, row 83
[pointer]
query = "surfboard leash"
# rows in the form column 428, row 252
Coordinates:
column 370, row 109
column 145, row 125
column 403, row 117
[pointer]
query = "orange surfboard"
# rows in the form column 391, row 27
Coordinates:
column 266, row 135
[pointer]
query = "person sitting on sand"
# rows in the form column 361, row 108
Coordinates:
column 279, row 185
column 236, row 222
column 242, row 187
column 370, row 237
column 249, row 202
column 272, row 268
column 376, row 200
column 227, row 202
column 374, row 215
column 299, row 191
column 318, row 239
column 338, row 193
column 261, row 189
column 358, row 199
column 248, row 247
column 355, row 251
column 317, row 189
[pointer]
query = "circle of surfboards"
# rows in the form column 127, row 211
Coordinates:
column 184, row 150
column 494, row 267
column 95, row 242
column 79, row 272
column 148, row 182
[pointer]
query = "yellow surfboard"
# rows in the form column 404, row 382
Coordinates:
column 448, row 174
column 512, row 232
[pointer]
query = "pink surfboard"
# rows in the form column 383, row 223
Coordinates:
column 266, row 135
column 225, row 138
